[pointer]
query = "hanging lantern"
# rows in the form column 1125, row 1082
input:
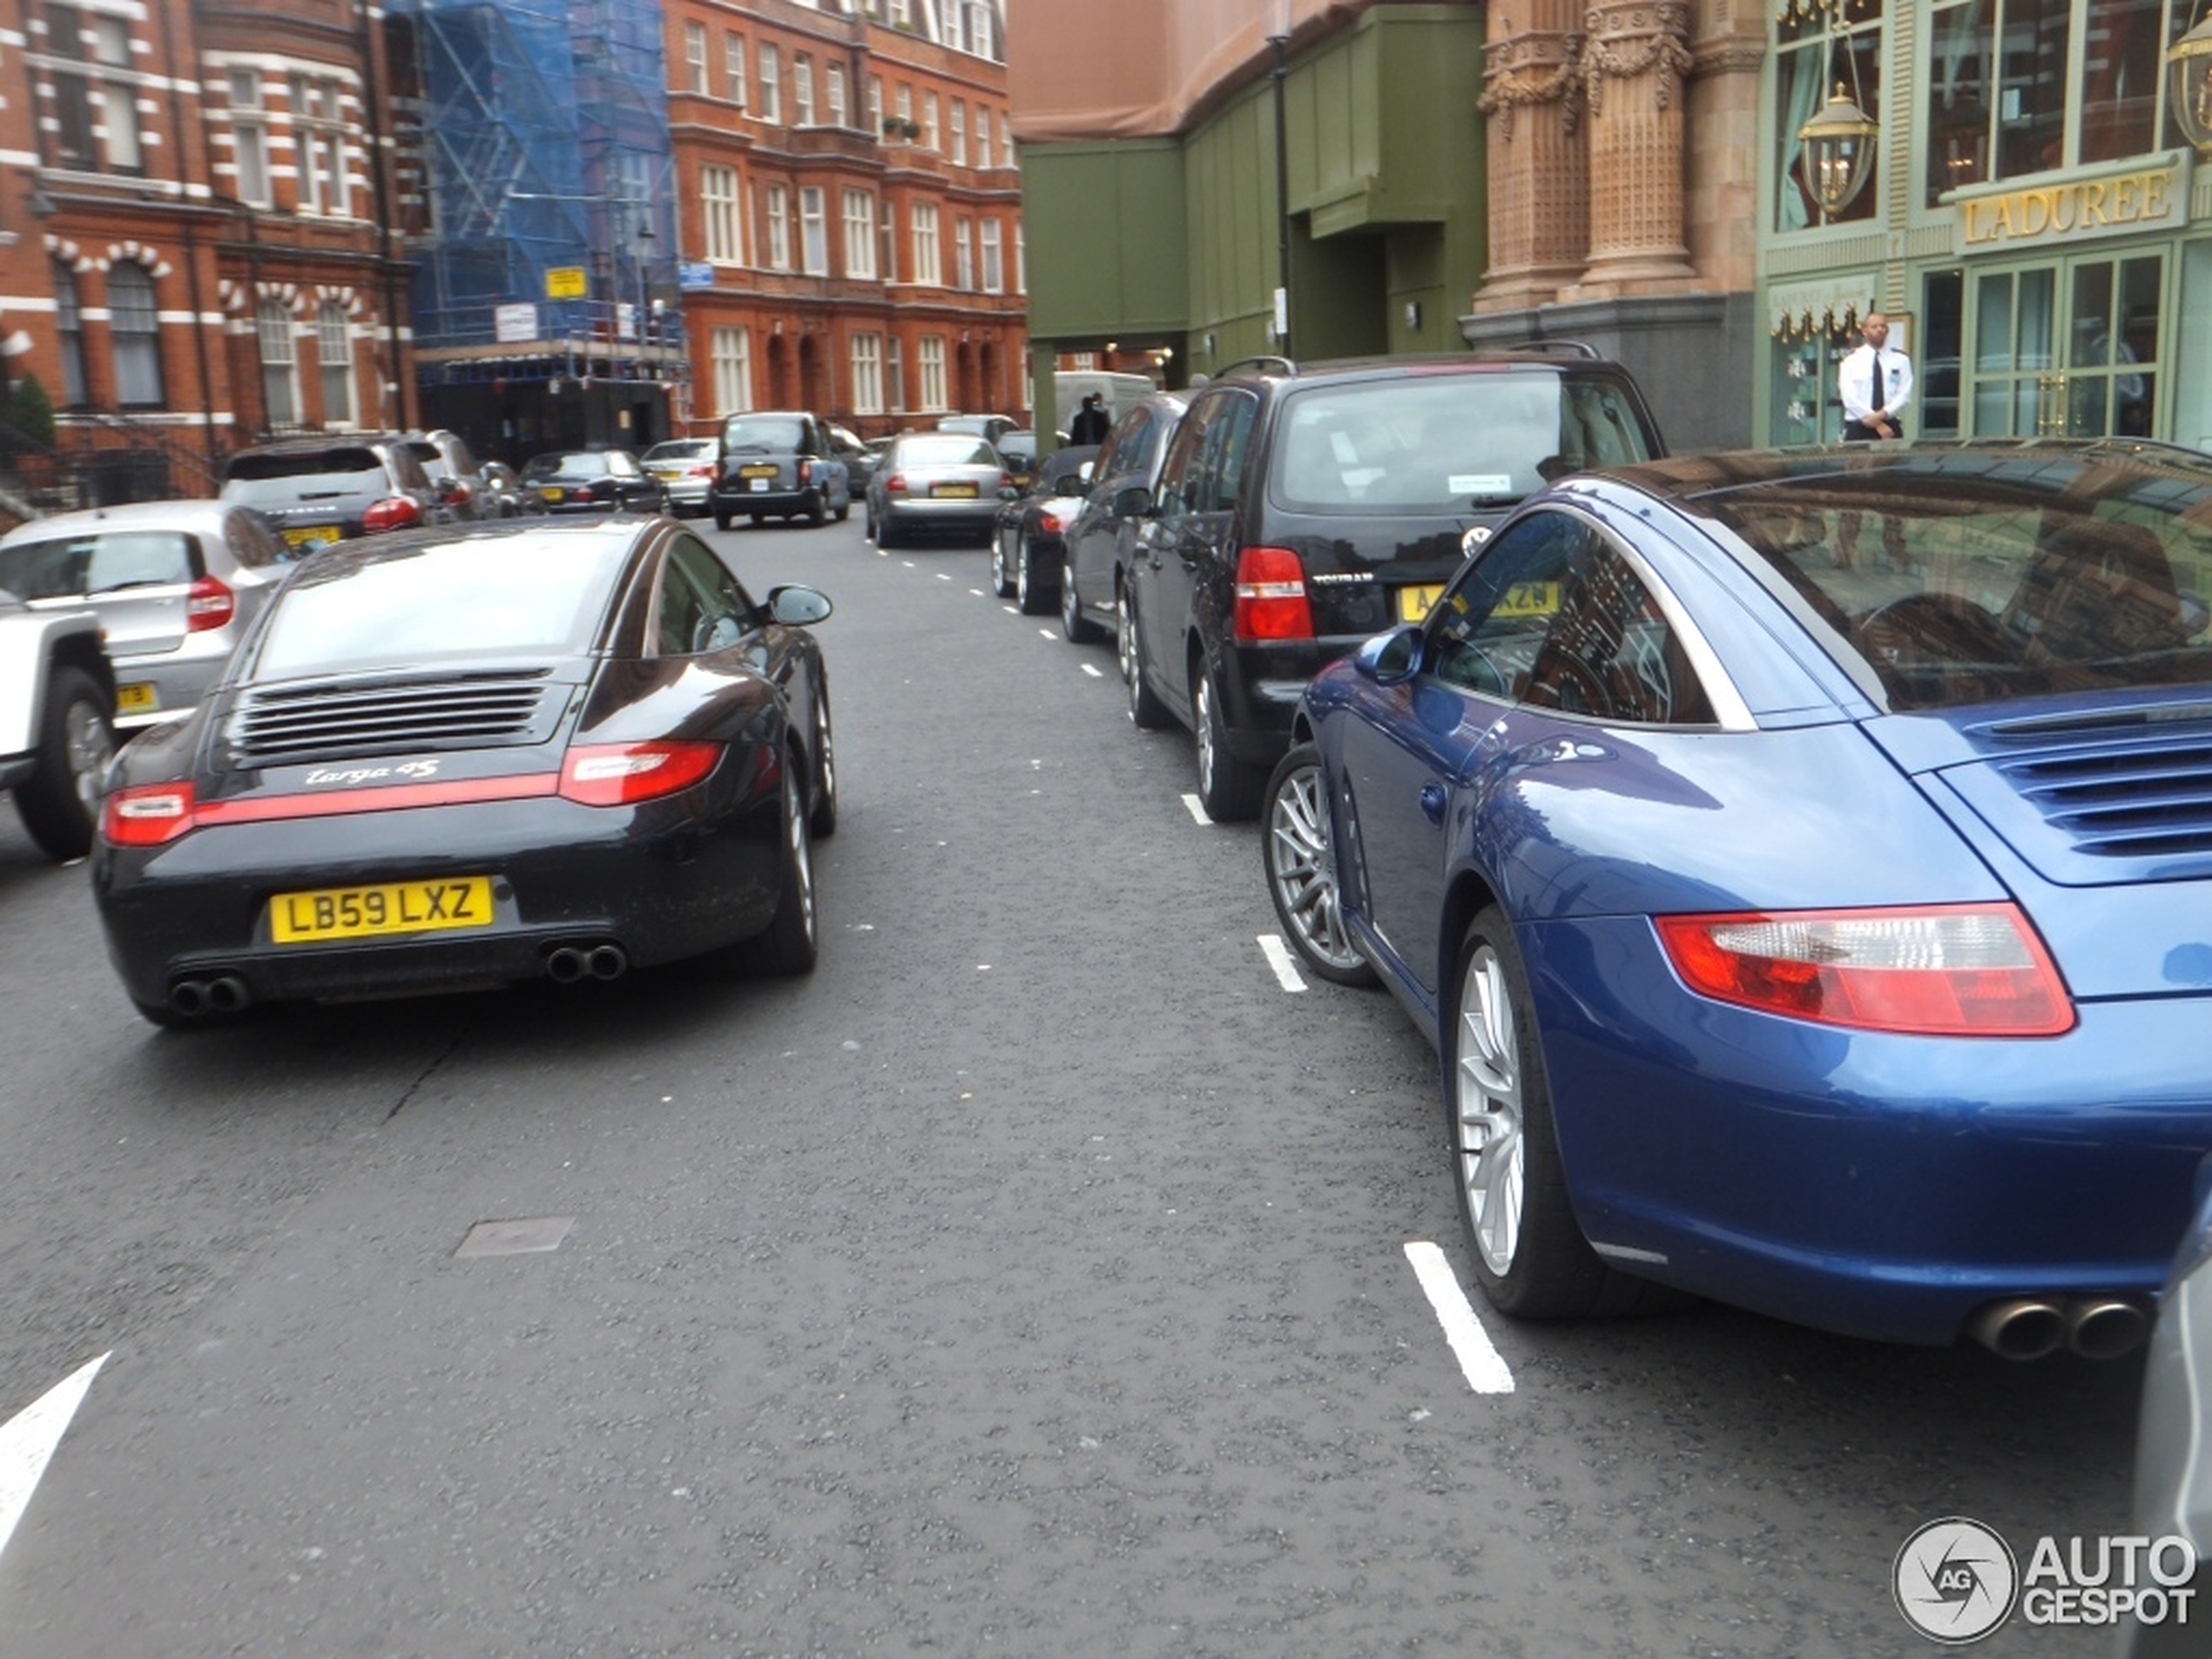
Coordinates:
column 2188, row 84
column 1836, row 152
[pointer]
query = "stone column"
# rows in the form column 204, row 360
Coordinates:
column 1539, row 202
column 1633, row 62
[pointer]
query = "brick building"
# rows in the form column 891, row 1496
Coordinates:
column 849, row 211
column 192, row 250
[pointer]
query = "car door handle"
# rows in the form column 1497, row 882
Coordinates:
column 1433, row 799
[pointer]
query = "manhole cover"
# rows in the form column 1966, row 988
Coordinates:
column 516, row 1238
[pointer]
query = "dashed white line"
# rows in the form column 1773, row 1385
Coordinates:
column 941, row 576
column 1279, row 958
column 1093, row 670
column 1197, row 809
column 1480, row 1363
column 28, row 1439
column 1047, row 633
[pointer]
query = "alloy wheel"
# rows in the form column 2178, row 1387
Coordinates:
column 1488, row 1111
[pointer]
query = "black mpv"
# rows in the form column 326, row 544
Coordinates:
column 1302, row 509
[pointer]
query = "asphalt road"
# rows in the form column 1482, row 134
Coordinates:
column 1031, row 1279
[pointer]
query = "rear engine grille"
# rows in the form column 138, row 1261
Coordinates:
column 2128, row 788
column 337, row 719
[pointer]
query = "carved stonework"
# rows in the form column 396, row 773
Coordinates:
column 1637, row 41
column 1530, row 70
column 1538, row 157
column 1634, row 61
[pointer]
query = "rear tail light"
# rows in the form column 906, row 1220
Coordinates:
column 1270, row 596
column 895, row 484
column 618, row 774
column 393, row 513
column 702, row 469
column 1052, row 524
column 1006, row 481
column 806, row 472
column 147, row 814
column 1931, row 970
column 580, row 492
column 463, row 491
column 209, row 605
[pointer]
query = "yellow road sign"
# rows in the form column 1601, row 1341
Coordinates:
column 566, row 282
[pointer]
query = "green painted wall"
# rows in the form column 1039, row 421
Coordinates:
column 1103, row 229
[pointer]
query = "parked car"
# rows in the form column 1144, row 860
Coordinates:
column 452, row 470
column 318, row 490
column 1102, row 539
column 779, row 464
column 2172, row 1453
column 1300, row 509
column 1027, row 548
column 989, row 428
column 506, row 493
column 56, row 734
column 174, row 583
column 446, row 760
column 1019, row 451
column 858, row 457
column 944, row 483
column 686, row 469
column 1798, row 928
column 593, row 481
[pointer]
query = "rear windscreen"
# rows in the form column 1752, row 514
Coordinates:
column 106, row 562
column 947, row 449
column 762, row 432
column 261, row 480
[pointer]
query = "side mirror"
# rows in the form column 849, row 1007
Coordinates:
column 1134, row 501
column 1390, row 658
column 796, row 607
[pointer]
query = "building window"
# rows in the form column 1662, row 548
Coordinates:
column 118, row 100
column 875, row 104
column 867, row 374
column 730, row 354
column 813, row 231
column 68, row 322
column 335, row 353
column 94, row 124
column 135, row 327
column 719, row 209
column 960, row 133
column 929, row 354
column 963, row 255
column 1020, row 260
column 250, row 137
column 895, row 374
column 929, row 133
column 1006, row 143
column 902, row 13
column 802, row 91
column 771, row 89
column 778, row 228
column 695, row 57
column 930, row 264
column 903, row 102
column 318, row 141
column 1809, row 59
column 733, row 69
column 834, row 84
column 993, row 259
column 983, row 135
column 860, row 234
column 279, row 381
column 890, row 233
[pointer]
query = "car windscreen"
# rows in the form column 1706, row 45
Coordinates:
column 276, row 480
column 1446, row 443
column 554, row 466
column 101, row 561
column 946, row 450
column 762, row 432
column 483, row 596
column 1946, row 599
column 680, row 449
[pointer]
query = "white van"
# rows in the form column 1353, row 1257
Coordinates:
column 1071, row 386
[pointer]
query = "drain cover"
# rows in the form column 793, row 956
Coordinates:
column 516, row 1238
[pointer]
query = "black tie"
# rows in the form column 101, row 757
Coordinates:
column 1874, row 403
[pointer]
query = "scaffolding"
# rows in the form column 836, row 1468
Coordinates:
column 537, row 137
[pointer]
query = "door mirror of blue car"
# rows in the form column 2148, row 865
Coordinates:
column 1388, row 659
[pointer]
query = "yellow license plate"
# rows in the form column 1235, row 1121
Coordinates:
column 393, row 907
column 1528, row 599
column 965, row 492
column 756, row 472
column 1413, row 603
column 136, row 699
column 309, row 534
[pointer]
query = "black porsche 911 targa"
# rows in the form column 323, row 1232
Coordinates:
column 462, row 757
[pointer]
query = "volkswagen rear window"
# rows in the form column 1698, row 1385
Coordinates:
column 75, row 566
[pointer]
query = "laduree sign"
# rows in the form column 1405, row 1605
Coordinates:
column 2150, row 195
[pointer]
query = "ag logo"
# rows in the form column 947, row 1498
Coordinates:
column 1476, row 536
column 1955, row 1580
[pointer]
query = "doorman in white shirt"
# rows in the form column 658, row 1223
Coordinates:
column 1875, row 384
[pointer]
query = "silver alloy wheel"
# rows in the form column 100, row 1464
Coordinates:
column 1071, row 607
column 802, row 853
column 998, row 563
column 825, row 760
column 1202, row 730
column 1022, row 576
column 85, row 741
column 1302, row 863
column 1487, row 1116
column 1125, row 641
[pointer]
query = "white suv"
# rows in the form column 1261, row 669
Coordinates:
column 55, row 732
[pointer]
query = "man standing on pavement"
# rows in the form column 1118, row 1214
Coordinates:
column 1091, row 423
column 1875, row 384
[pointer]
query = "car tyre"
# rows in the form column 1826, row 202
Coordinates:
column 1530, row 1256
column 824, row 821
column 1228, row 788
column 1297, row 849
column 789, row 945
column 756, row 519
column 1030, row 593
column 59, row 802
column 1146, row 711
column 844, row 511
column 721, row 519
column 1002, row 578
column 817, row 510
column 1077, row 626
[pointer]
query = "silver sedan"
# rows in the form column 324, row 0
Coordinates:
column 947, row 483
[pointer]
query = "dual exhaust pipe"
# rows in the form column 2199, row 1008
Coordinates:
column 2028, row 1327
column 211, row 997
column 566, row 964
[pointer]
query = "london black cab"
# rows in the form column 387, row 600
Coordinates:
column 1301, row 508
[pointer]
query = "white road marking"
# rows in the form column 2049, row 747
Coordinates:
column 1010, row 610
column 1279, row 958
column 1197, row 809
column 909, row 563
column 977, row 593
column 1093, row 670
column 1480, row 1363
column 29, row 1439
column 1047, row 633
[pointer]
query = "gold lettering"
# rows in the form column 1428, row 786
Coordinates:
column 2035, row 212
column 2093, row 204
column 2064, row 207
column 2154, row 186
column 2004, row 215
column 2126, row 206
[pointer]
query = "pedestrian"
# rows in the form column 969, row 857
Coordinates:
column 1092, row 422
column 1875, row 384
